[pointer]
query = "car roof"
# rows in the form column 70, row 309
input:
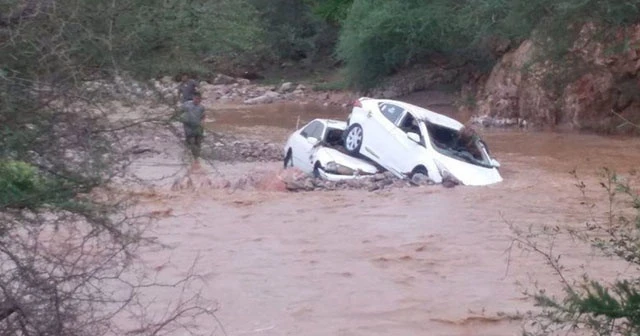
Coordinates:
column 331, row 122
column 425, row 115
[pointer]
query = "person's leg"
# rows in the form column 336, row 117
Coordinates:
column 197, row 146
column 189, row 136
column 190, row 143
column 199, row 133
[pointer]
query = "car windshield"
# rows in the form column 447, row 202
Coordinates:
column 462, row 145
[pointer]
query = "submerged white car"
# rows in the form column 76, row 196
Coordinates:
column 407, row 139
column 316, row 149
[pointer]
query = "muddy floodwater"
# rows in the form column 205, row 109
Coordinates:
column 417, row 261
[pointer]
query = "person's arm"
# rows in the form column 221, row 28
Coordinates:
column 178, row 112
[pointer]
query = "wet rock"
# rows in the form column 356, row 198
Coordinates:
column 267, row 98
column 386, row 182
column 286, row 87
column 270, row 182
column 166, row 80
column 224, row 79
column 380, row 177
column 449, row 184
column 240, row 184
column 309, row 185
column 355, row 183
column 243, row 81
column 420, row 179
column 220, row 183
column 301, row 87
column 389, row 175
column 373, row 187
column 293, row 178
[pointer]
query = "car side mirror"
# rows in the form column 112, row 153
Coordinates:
column 413, row 136
column 495, row 163
column 312, row 140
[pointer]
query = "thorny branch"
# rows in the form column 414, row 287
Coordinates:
column 604, row 309
column 68, row 250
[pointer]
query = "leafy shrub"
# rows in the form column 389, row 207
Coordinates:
column 292, row 29
column 19, row 181
column 333, row 11
column 378, row 36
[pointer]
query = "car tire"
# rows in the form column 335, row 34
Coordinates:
column 353, row 139
column 316, row 171
column 420, row 170
column 288, row 159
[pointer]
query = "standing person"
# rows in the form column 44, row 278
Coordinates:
column 186, row 89
column 192, row 118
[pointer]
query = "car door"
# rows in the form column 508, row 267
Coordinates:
column 381, row 136
column 407, row 152
column 303, row 148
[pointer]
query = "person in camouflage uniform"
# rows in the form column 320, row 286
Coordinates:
column 187, row 89
column 192, row 118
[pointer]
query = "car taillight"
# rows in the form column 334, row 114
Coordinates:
column 357, row 103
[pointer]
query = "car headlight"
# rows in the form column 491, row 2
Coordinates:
column 337, row 168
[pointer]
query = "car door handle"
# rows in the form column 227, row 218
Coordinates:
column 369, row 114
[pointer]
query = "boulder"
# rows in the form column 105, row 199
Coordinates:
column 286, row 87
column 166, row 80
column 223, row 79
column 243, row 81
column 220, row 183
column 420, row 180
column 267, row 98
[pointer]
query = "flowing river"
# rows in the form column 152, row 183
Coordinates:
column 415, row 261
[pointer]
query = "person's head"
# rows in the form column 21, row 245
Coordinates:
column 197, row 98
column 185, row 77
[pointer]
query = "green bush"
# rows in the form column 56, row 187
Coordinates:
column 379, row 36
column 333, row 11
column 19, row 181
column 293, row 31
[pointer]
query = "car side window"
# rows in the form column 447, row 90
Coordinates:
column 309, row 129
column 391, row 112
column 313, row 130
column 410, row 124
column 317, row 132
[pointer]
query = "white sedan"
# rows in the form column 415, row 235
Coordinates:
column 406, row 139
column 316, row 149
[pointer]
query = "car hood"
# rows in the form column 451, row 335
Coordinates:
column 466, row 173
column 326, row 155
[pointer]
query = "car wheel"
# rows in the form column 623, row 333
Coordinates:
column 288, row 159
column 316, row 170
column 419, row 170
column 353, row 140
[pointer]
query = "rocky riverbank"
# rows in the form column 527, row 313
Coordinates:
column 224, row 89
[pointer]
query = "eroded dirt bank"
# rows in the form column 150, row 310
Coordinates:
column 410, row 261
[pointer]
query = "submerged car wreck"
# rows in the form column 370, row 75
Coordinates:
column 317, row 149
column 388, row 135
